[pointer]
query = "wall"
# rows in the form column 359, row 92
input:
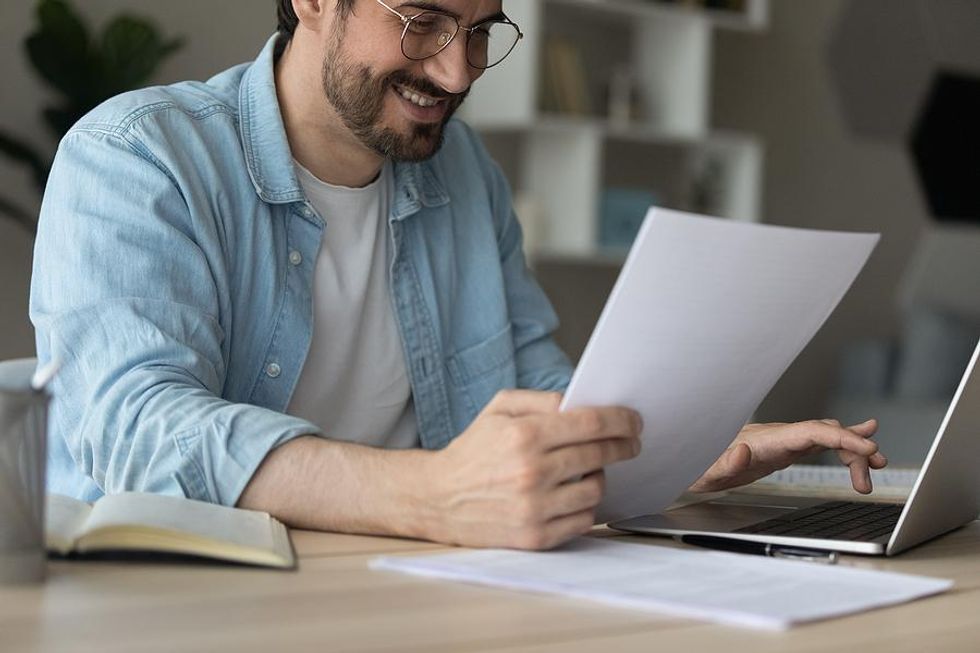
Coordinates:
column 777, row 85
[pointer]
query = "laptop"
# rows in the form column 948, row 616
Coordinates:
column 945, row 496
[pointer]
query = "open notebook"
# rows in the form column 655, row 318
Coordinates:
column 152, row 523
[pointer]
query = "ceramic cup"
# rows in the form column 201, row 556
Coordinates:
column 23, row 420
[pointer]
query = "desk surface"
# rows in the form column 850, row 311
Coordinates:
column 334, row 602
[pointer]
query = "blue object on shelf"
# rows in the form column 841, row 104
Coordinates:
column 621, row 214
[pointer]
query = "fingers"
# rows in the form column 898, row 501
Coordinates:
column 589, row 424
column 571, row 498
column 829, row 436
column 865, row 429
column 878, row 461
column 860, row 476
column 578, row 460
column 860, row 469
column 557, row 531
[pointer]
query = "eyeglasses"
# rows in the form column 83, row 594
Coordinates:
column 428, row 33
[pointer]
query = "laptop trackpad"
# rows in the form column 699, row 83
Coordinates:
column 725, row 514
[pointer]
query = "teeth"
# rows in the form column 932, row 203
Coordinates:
column 415, row 98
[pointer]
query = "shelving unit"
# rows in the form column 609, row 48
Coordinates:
column 655, row 136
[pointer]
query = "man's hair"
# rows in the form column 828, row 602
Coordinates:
column 288, row 20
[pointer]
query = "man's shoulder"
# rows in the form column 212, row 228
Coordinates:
column 189, row 101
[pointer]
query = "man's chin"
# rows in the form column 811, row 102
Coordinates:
column 418, row 143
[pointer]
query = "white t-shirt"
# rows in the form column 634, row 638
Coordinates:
column 354, row 384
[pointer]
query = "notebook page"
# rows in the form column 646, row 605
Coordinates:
column 246, row 528
column 728, row 588
column 64, row 518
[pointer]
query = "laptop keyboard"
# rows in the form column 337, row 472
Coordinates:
column 834, row 520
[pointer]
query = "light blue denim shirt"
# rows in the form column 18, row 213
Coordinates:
column 173, row 279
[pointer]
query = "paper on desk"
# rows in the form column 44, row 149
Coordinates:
column 728, row 588
column 704, row 319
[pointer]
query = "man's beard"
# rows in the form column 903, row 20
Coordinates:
column 358, row 97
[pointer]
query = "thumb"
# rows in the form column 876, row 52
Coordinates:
column 738, row 458
column 729, row 465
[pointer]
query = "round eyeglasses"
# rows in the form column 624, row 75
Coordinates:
column 428, row 33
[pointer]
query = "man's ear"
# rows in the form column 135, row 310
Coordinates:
column 312, row 13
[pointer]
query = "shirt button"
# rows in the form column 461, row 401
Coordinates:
column 295, row 257
column 273, row 370
column 307, row 212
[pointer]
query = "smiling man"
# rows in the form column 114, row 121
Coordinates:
column 299, row 287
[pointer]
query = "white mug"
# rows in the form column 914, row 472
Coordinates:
column 23, row 434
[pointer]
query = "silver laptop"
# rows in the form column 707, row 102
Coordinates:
column 945, row 496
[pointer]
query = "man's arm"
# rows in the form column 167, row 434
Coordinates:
column 124, row 295
column 522, row 476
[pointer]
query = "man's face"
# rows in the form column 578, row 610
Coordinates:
column 397, row 107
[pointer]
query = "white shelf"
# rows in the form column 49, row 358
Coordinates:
column 634, row 132
column 755, row 17
column 561, row 163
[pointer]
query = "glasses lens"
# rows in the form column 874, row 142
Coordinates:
column 490, row 43
column 427, row 34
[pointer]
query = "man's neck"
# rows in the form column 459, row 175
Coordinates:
column 318, row 138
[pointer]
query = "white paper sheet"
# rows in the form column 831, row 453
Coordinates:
column 728, row 588
column 704, row 319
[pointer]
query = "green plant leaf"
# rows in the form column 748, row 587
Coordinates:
column 57, row 18
column 60, row 49
column 23, row 153
column 23, row 218
column 132, row 50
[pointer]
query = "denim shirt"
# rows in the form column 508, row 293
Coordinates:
column 173, row 280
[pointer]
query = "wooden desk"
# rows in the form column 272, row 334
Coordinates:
column 335, row 603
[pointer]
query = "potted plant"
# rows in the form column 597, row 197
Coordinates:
column 84, row 69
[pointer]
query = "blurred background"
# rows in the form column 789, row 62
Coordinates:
column 858, row 115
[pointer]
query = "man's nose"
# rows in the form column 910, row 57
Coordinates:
column 449, row 69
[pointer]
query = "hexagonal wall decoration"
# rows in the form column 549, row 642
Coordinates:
column 946, row 147
column 908, row 72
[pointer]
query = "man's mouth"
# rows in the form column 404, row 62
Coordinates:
column 417, row 98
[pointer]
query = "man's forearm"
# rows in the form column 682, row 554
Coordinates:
column 327, row 485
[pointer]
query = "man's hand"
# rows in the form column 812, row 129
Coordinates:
column 524, row 475
column 760, row 449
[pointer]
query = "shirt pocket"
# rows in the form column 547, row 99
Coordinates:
column 482, row 370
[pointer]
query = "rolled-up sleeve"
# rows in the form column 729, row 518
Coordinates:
column 124, row 296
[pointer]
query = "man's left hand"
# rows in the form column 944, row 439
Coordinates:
column 760, row 449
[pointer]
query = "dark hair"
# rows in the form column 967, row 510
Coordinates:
column 288, row 20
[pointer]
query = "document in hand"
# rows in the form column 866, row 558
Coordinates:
column 705, row 317
column 728, row 588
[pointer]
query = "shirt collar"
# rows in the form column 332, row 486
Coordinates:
column 270, row 162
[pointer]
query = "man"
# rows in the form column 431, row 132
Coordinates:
column 299, row 288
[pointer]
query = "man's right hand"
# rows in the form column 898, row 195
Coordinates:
column 525, row 475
